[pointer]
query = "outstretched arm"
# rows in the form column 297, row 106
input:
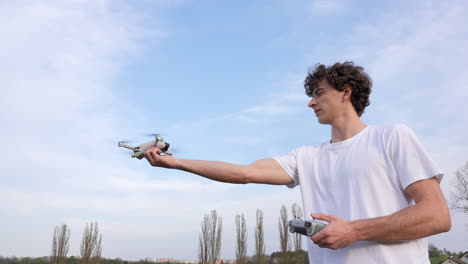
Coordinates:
column 429, row 216
column 266, row 171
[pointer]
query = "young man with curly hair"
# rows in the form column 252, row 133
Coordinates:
column 375, row 185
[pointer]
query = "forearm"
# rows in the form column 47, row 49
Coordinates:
column 215, row 170
column 417, row 221
column 266, row 171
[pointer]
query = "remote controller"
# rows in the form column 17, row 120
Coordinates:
column 304, row 227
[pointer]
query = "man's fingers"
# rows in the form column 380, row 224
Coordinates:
column 325, row 242
column 318, row 237
column 152, row 154
column 324, row 217
column 322, row 245
column 322, row 236
column 329, row 246
column 153, row 149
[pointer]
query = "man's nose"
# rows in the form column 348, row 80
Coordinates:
column 312, row 102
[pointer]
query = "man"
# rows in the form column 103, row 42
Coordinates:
column 374, row 185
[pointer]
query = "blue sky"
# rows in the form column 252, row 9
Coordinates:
column 221, row 80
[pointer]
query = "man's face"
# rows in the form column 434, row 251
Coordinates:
column 327, row 102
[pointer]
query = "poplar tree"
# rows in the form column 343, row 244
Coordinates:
column 241, row 235
column 284, row 235
column 260, row 257
column 210, row 239
column 60, row 245
column 91, row 244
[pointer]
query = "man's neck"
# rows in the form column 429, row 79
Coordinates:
column 345, row 128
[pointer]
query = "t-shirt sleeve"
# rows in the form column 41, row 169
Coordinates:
column 289, row 164
column 411, row 162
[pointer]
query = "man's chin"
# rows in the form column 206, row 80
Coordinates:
column 323, row 121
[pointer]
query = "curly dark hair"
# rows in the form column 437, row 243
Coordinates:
column 338, row 76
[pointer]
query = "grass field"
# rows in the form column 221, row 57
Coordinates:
column 436, row 260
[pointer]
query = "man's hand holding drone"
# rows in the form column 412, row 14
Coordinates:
column 154, row 157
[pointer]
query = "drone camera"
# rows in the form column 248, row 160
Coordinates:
column 166, row 147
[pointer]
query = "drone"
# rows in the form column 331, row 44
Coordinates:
column 138, row 151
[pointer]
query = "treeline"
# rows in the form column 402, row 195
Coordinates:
column 68, row 260
column 270, row 259
column 90, row 249
column 210, row 238
column 209, row 244
column 435, row 252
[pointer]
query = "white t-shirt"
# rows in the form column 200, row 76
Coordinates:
column 362, row 177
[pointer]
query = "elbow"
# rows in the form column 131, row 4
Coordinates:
column 448, row 227
column 248, row 176
column 447, row 224
column 444, row 223
column 443, row 228
column 446, row 220
column 244, row 179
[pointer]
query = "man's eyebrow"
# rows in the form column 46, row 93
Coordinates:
column 316, row 91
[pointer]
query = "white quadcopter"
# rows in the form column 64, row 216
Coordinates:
column 138, row 151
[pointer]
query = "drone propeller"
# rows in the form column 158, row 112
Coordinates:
column 155, row 134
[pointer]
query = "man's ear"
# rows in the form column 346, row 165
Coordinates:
column 347, row 91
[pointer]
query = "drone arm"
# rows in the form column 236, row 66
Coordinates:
column 126, row 146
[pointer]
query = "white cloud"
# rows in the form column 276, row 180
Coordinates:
column 60, row 61
column 286, row 100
